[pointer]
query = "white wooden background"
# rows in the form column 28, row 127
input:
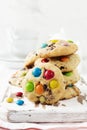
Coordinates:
column 27, row 23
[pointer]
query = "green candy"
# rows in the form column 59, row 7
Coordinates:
column 70, row 85
column 29, row 87
column 24, row 74
column 70, row 41
column 67, row 73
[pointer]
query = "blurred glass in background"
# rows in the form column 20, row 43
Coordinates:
column 25, row 24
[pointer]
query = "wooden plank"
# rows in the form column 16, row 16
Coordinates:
column 67, row 111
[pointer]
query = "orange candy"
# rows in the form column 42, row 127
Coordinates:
column 64, row 59
column 39, row 89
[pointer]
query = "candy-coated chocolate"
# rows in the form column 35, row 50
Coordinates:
column 36, row 72
column 70, row 85
column 65, row 44
column 42, row 99
column 19, row 102
column 29, row 87
column 67, row 73
column 64, row 59
column 54, row 84
column 24, row 74
column 44, row 45
column 54, row 41
column 48, row 74
column 19, row 94
column 44, row 60
column 9, row 99
column 39, row 89
column 70, row 41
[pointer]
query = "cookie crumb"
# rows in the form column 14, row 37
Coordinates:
column 36, row 54
column 81, row 98
column 63, row 105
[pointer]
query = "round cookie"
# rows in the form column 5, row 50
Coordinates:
column 53, row 48
column 71, row 91
column 44, row 83
column 18, row 77
column 65, row 63
column 30, row 59
column 57, row 48
column 71, row 77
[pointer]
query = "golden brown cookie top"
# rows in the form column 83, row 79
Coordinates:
column 44, row 80
column 52, row 48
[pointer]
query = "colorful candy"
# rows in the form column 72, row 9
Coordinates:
column 19, row 102
column 67, row 73
column 24, row 74
column 9, row 99
column 70, row 41
column 54, row 41
column 36, row 72
column 29, row 87
column 44, row 45
column 70, row 85
column 48, row 74
column 65, row 44
column 54, row 84
column 19, row 94
column 44, row 60
column 39, row 89
column 64, row 59
column 42, row 99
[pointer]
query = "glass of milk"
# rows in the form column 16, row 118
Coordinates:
column 22, row 41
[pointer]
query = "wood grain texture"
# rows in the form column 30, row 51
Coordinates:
column 67, row 111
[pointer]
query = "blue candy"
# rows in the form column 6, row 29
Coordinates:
column 36, row 72
column 44, row 45
column 19, row 102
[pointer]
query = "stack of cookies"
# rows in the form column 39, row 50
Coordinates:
column 50, row 73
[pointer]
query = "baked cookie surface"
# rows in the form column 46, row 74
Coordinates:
column 18, row 77
column 71, row 77
column 71, row 91
column 53, row 48
column 44, row 83
column 64, row 63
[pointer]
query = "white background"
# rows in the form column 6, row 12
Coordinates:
column 26, row 23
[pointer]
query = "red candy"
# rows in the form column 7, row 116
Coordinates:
column 44, row 60
column 19, row 94
column 48, row 74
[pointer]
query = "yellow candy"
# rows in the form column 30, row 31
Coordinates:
column 54, row 84
column 54, row 41
column 9, row 99
column 42, row 99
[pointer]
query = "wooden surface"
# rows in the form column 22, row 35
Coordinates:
column 67, row 110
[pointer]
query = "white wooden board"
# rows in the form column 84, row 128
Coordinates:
column 67, row 111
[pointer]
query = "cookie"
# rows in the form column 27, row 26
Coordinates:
column 30, row 59
column 18, row 77
column 44, row 83
column 71, row 77
column 65, row 63
column 71, row 91
column 53, row 48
